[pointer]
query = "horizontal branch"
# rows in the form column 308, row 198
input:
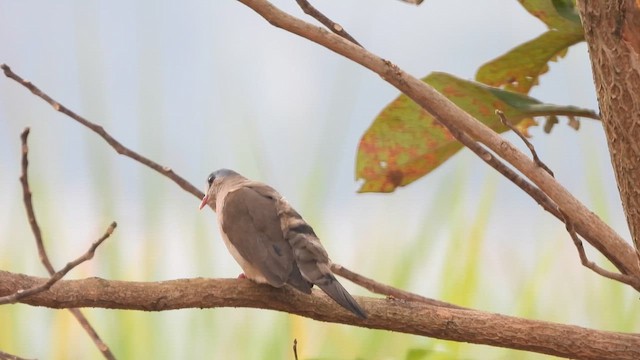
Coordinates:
column 388, row 314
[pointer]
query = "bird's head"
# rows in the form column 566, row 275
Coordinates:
column 215, row 181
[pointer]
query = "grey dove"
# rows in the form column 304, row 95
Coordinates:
column 269, row 239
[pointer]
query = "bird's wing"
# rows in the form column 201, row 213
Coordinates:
column 253, row 228
column 312, row 258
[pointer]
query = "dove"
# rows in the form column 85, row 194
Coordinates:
column 269, row 239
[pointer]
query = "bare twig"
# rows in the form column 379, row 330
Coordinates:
column 26, row 197
column 6, row 356
column 35, row 228
column 330, row 24
column 623, row 278
column 98, row 129
column 536, row 159
column 540, row 197
column 57, row 276
column 389, row 291
column 295, row 349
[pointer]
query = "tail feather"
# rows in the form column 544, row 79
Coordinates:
column 340, row 295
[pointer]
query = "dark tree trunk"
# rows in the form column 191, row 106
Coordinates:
column 612, row 31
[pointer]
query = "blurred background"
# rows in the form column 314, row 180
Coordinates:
column 199, row 85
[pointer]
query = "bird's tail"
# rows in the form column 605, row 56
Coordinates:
column 330, row 285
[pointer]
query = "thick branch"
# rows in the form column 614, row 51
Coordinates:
column 388, row 314
column 592, row 228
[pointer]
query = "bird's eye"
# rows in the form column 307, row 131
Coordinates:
column 210, row 179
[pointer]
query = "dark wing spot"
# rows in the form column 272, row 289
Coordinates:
column 303, row 228
column 276, row 248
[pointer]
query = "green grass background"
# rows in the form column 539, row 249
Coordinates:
column 167, row 81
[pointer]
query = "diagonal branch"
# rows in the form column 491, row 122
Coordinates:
column 540, row 197
column 388, row 314
column 98, row 129
column 42, row 253
column 587, row 224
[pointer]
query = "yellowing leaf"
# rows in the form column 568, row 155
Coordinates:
column 405, row 142
column 520, row 68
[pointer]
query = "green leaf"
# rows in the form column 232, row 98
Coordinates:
column 405, row 142
column 567, row 9
column 556, row 14
column 520, row 68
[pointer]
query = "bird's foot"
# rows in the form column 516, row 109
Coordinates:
column 242, row 276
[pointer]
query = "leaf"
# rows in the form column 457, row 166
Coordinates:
column 520, row 68
column 405, row 142
column 556, row 14
column 567, row 9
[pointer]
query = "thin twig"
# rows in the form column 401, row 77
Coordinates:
column 26, row 197
column 538, row 195
column 330, row 24
column 15, row 297
column 536, row 159
column 389, row 291
column 117, row 146
column 295, row 349
column 7, row 356
column 623, row 278
column 42, row 253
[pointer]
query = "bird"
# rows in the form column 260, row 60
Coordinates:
column 269, row 239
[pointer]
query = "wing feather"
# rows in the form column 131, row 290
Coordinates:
column 256, row 234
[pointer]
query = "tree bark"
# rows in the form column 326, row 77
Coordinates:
column 388, row 314
column 612, row 31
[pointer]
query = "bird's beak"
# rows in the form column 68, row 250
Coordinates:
column 204, row 202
